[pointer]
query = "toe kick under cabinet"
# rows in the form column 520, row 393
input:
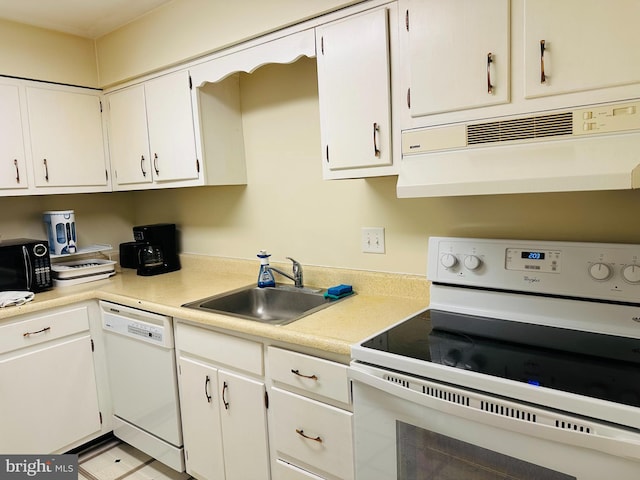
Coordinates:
column 310, row 422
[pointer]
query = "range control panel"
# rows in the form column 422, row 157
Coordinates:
column 605, row 271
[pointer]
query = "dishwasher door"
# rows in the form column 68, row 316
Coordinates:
column 143, row 382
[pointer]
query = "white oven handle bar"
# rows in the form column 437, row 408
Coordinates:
column 501, row 413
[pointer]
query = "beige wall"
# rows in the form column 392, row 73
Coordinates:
column 100, row 217
column 288, row 209
column 186, row 29
column 40, row 54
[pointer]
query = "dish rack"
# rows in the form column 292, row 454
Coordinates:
column 82, row 271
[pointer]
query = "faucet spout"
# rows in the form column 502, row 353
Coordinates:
column 297, row 277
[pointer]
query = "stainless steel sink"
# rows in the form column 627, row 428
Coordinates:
column 277, row 305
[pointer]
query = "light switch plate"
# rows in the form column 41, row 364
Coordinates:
column 372, row 239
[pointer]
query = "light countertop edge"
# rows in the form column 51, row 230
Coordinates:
column 381, row 300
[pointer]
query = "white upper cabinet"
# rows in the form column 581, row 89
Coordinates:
column 458, row 54
column 171, row 134
column 13, row 172
column 573, row 45
column 354, row 88
column 67, row 141
column 128, row 137
column 151, row 134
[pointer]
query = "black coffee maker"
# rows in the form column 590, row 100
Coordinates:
column 159, row 252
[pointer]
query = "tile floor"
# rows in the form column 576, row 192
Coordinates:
column 115, row 460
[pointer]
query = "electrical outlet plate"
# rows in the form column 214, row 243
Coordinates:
column 373, row 239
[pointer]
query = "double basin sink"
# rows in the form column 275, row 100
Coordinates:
column 277, row 305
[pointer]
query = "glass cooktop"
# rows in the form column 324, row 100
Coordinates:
column 596, row 365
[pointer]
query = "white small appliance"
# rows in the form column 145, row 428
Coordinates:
column 61, row 230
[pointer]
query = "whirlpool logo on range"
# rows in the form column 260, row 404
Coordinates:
column 531, row 280
column 51, row 467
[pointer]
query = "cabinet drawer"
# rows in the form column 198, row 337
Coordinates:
column 43, row 328
column 311, row 374
column 312, row 434
column 220, row 348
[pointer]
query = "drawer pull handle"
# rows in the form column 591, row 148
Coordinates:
column 28, row 334
column 297, row 372
column 300, row 432
column 225, row 387
column 206, row 389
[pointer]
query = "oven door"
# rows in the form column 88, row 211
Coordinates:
column 410, row 428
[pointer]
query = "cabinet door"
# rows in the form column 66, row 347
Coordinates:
column 128, row 137
column 13, row 174
column 354, row 91
column 458, row 54
column 48, row 398
column 66, row 138
column 244, row 426
column 171, row 131
column 587, row 45
column 201, row 430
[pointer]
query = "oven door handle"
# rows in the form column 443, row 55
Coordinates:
column 501, row 413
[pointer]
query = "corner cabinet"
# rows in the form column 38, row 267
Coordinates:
column 354, row 88
column 151, row 134
column 49, row 399
column 67, row 140
column 223, row 405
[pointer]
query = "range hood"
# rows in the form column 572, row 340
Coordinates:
column 591, row 148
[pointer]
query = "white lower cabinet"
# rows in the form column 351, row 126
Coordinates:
column 223, row 404
column 310, row 422
column 49, row 399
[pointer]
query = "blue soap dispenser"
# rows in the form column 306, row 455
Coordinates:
column 265, row 276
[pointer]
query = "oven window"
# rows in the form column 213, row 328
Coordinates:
column 430, row 456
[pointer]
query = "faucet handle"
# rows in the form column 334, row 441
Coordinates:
column 297, row 271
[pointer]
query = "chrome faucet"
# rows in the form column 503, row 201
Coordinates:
column 297, row 273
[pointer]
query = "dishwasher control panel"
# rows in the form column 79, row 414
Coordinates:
column 150, row 332
column 137, row 324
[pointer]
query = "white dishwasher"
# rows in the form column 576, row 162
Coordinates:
column 142, row 378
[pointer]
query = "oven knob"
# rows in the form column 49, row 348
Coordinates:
column 600, row 271
column 449, row 260
column 631, row 273
column 471, row 262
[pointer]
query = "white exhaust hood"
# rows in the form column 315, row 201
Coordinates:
column 595, row 148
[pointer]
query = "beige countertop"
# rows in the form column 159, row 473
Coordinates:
column 380, row 300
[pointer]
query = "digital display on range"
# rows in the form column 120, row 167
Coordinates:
column 532, row 255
